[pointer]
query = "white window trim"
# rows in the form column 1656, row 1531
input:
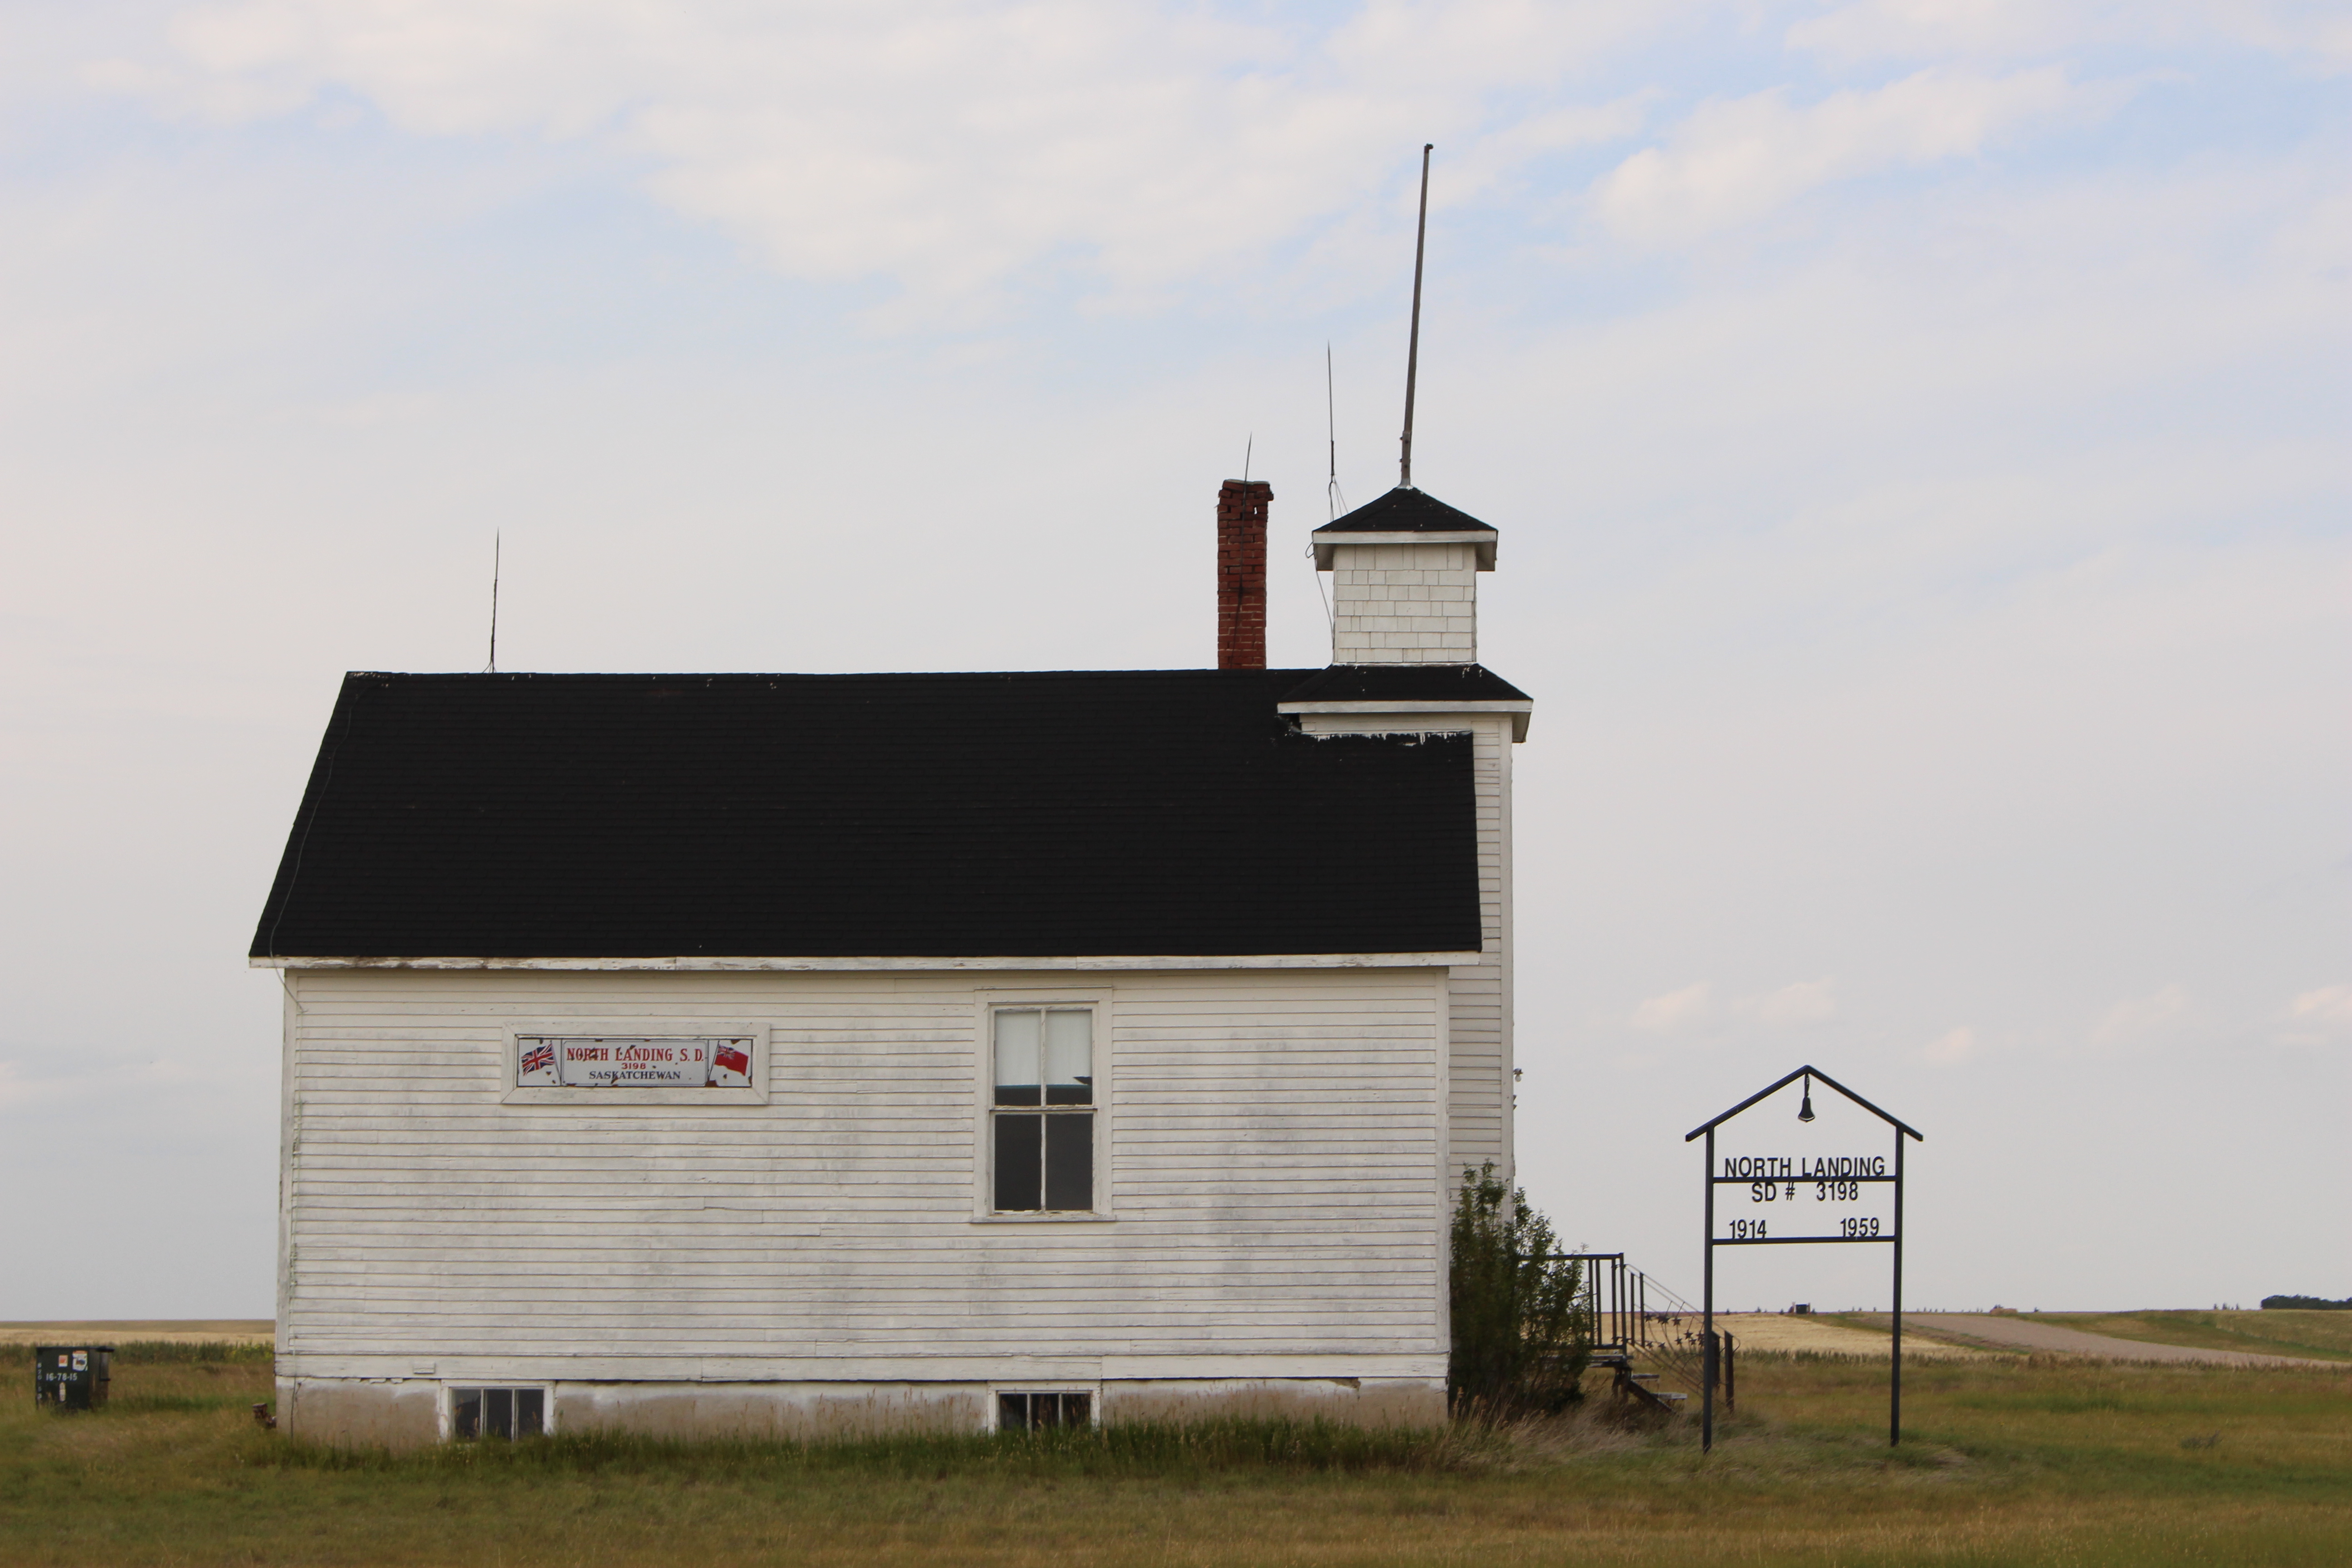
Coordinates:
column 445, row 1399
column 1093, row 1391
column 608, row 1023
column 988, row 1001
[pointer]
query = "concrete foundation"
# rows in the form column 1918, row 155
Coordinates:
column 397, row 1414
column 787, row 1412
column 1348, row 1401
column 358, row 1413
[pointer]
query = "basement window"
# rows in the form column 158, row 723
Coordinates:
column 497, row 1413
column 1035, row 1412
column 1043, row 1119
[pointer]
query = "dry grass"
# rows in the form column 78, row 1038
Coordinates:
column 2009, row 1460
column 1822, row 1334
column 142, row 1331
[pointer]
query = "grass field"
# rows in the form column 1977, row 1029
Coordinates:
column 2327, row 1335
column 2007, row 1460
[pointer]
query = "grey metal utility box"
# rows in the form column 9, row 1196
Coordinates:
column 71, row 1377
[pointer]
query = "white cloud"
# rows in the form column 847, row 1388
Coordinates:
column 1951, row 1048
column 1694, row 1006
column 2316, row 1018
column 2141, row 1017
column 1675, row 1010
column 2008, row 29
column 1808, row 1002
column 1735, row 160
column 1876, row 30
column 955, row 148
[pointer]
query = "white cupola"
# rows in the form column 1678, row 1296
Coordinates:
column 1404, row 581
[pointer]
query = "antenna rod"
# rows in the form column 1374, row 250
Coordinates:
column 497, row 543
column 1331, row 433
column 1412, row 352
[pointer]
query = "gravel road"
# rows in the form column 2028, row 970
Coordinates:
column 2026, row 1334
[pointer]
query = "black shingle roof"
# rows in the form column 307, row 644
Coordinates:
column 1405, row 512
column 1168, row 812
column 1405, row 683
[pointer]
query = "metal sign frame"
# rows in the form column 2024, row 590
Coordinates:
column 1810, row 1075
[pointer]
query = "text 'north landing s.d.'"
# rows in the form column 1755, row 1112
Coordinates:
column 623, row 1061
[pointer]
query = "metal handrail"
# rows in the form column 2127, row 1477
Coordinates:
column 1617, row 1302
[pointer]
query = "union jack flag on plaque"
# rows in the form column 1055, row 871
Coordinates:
column 540, row 1058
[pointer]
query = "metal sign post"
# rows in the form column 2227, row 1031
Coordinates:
column 1838, row 1182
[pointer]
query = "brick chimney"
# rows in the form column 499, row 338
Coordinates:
column 1241, row 573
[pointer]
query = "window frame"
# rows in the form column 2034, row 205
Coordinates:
column 515, row 1029
column 989, row 1001
column 997, row 1391
column 447, row 1402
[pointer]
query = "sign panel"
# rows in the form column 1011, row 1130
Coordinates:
column 633, row 1061
column 1804, row 1197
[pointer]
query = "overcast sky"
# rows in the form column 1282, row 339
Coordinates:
column 1915, row 428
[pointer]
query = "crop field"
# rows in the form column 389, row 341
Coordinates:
column 2005, row 1460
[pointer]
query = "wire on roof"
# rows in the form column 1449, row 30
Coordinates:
column 1332, row 497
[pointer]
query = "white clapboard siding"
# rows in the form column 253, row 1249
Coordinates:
column 1272, row 1157
column 1478, row 1110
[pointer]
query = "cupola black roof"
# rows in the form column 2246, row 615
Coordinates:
column 1404, row 510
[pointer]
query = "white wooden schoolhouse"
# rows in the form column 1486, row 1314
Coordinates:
column 804, row 1055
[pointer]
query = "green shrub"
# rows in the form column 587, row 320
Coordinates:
column 1521, row 1334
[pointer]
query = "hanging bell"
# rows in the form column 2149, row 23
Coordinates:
column 1805, row 1111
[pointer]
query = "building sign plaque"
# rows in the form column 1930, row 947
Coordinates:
column 633, row 1061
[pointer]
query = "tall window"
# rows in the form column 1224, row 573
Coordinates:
column 1045, row 1120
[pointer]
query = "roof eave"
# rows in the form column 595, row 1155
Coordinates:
column 704, row 963
column 1484, row 538
column 1521, row 712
